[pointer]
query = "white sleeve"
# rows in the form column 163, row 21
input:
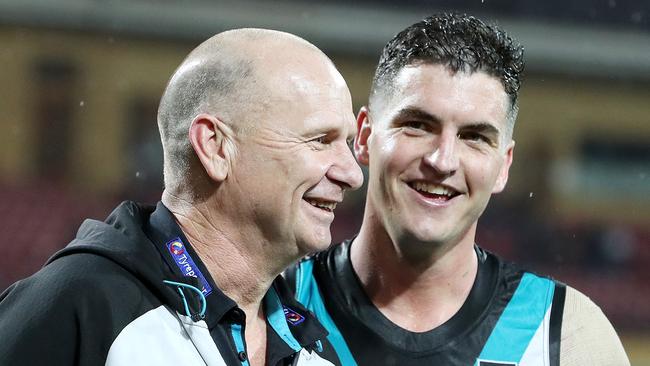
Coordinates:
column 588, row 338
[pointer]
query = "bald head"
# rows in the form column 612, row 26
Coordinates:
column 234, row 76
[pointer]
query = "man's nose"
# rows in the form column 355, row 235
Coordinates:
column 443, row 157
column 345, row 169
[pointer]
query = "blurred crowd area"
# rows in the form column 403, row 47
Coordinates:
column 81, row 83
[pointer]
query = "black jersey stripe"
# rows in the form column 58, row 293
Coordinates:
column 555, row 326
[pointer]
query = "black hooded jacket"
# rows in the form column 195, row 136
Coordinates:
column 119, row 294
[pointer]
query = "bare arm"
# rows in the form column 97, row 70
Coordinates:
column 588, row 338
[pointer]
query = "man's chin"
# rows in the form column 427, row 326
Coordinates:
column 427, row 235
column 315, row 244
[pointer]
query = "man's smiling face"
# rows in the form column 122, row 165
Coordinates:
column 292, row 168
column 437, row 146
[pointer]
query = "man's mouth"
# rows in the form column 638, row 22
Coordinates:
column 326, row 205
column 435, row 191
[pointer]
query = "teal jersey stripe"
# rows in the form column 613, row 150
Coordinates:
column 520, row 320
column 277, row 320
column 308, row 294
column 239, row 341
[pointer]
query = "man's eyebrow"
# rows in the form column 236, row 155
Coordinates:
column 417, row 114
column 420, row 115
column 328, row 129
column 483, row 127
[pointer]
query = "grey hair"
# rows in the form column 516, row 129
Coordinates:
column 209, row 86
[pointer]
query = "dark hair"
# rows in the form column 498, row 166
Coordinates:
column 459, row 42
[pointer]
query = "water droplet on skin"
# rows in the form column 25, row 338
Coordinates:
column 530, row 195
column 82, row 103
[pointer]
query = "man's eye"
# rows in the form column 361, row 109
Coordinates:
column 415, row 125
column 474, row 136
column 320, row 140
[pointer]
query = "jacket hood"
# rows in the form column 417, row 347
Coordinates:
column 122, row 238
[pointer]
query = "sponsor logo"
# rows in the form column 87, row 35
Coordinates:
column 176, row 247
column 186, row 264
column 292, row 316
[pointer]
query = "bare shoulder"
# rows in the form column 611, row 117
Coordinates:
column 588, row 337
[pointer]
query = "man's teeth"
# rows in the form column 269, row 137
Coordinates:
column 329, row 206
column 433, row 189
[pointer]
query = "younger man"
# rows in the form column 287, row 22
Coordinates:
column 413, row 288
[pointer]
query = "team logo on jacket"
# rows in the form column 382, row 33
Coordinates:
column 292, row 316
column 186, row 264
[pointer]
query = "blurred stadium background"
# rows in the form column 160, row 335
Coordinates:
column 80, row 82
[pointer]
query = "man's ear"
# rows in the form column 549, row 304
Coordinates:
column 209, row 137
column 502, row 179
column 364, row 129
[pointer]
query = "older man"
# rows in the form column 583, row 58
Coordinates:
column 254, row 126
column 413, row 288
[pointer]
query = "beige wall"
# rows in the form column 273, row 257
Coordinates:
column 557, row 114
column 111, row 71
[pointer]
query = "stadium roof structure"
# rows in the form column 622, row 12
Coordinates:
column 595, row 50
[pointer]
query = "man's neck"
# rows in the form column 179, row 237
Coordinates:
column 237, row 263
column 415, row 291
column 255, row 334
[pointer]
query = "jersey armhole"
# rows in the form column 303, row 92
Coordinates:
column 555, row 326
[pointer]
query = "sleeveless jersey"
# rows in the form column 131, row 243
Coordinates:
column 511, row 317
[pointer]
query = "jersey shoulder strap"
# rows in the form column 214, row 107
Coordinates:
column 528, row 331
column 308, row 293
